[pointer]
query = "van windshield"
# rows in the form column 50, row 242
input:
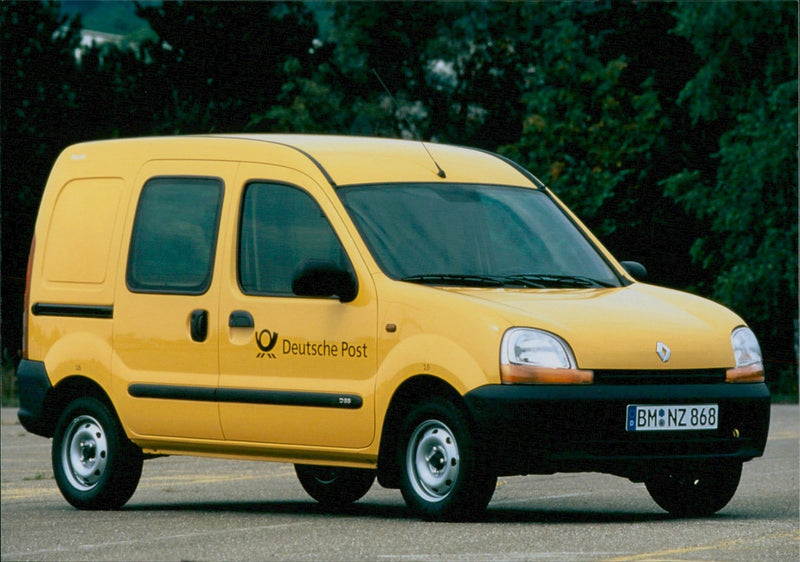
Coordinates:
column 474, row 235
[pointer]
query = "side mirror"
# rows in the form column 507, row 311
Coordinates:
column 634, row 269
column 325, row 280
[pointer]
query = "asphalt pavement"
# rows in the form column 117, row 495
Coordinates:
column 188, row 509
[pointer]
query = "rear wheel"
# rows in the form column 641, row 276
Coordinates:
column 442, row 475
column 94, row 463
column 334, row 486
column 695, row 490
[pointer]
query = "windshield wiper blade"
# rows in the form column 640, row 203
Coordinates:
column 526, row 280
column 554, row 280
column 457, row 280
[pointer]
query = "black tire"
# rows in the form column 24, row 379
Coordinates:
column 695, row 490
column 442, row 475
column 334, row 486
column 95, row 465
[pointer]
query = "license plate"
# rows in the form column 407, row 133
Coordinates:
column 672, row 418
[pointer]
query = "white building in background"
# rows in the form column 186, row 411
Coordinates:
column 91, row 38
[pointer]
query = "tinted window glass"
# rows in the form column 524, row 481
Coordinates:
column 450, row 231
column 174, row 236
column 282, row 232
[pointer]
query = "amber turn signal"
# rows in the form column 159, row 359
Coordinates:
column 748, row 373
column 529, row 374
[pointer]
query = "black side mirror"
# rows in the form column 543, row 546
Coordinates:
column 325, row 280
column 634, row 269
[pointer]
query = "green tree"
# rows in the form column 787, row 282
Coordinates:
column 599, row 125
column 747, row 89
column 221, row 66
column 670, row 128
column 38, row 74
column 568, row 90
column 453, row 67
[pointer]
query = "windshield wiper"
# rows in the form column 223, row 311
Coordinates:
column 526, row 280
column 457, row 280
column 542, row 280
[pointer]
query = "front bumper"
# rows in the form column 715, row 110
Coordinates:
column 541, row 429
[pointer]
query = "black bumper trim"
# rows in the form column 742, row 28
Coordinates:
column 33, row 385
column 529, row 429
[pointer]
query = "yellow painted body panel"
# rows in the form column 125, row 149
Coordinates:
column 600, row 323
column 321, row 346
column 152, row 340
column 74, row 347
column 353, row 160
column 367, row 349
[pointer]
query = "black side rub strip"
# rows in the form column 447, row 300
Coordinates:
column 73, row 310
column 247, row 396
column 171, row 392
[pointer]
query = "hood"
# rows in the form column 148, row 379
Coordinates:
column 626, row 327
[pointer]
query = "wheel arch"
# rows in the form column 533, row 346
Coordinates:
column 67, row 390
column 412, row 391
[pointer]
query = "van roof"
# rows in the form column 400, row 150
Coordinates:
column 342, row 160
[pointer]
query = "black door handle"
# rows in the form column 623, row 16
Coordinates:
column 199, row 325
column 241, row 319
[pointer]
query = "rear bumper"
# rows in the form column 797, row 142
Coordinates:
column 529, row 429
column 33, row 385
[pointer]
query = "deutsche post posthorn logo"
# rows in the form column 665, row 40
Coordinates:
column 663, row 351
column 266, row 340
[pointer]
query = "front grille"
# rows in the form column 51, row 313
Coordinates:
column 695, row 376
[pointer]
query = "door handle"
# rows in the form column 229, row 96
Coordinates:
column 241, row 319
column 199, row 325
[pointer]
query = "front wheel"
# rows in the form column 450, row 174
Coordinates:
column 94, row 463
column 695, row 490
column 442, row 475
column 334, row 486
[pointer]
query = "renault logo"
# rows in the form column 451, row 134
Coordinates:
column 663, row 351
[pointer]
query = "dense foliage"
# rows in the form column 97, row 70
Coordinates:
column 670, row 128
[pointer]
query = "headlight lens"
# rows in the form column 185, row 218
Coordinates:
column 532, row 356
column 747, row 353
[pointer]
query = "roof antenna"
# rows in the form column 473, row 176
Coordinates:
column 440, row 172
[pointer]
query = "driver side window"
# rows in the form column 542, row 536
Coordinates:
column 282, row 231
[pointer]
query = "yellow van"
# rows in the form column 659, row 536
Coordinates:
column 429, row 315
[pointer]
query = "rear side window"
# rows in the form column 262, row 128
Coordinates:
column 174, row 236
column 283, row 231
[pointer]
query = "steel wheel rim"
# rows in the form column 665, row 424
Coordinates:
column 432, row 460
column 84, row 452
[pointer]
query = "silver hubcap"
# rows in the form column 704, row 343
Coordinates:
column 84, row 452
column 432, row 460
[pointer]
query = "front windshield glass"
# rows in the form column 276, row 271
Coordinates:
column 474, row 235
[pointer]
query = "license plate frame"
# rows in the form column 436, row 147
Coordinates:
column 671, row 417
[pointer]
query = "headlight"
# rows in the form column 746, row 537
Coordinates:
column 531, row 356
column 749, row 366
